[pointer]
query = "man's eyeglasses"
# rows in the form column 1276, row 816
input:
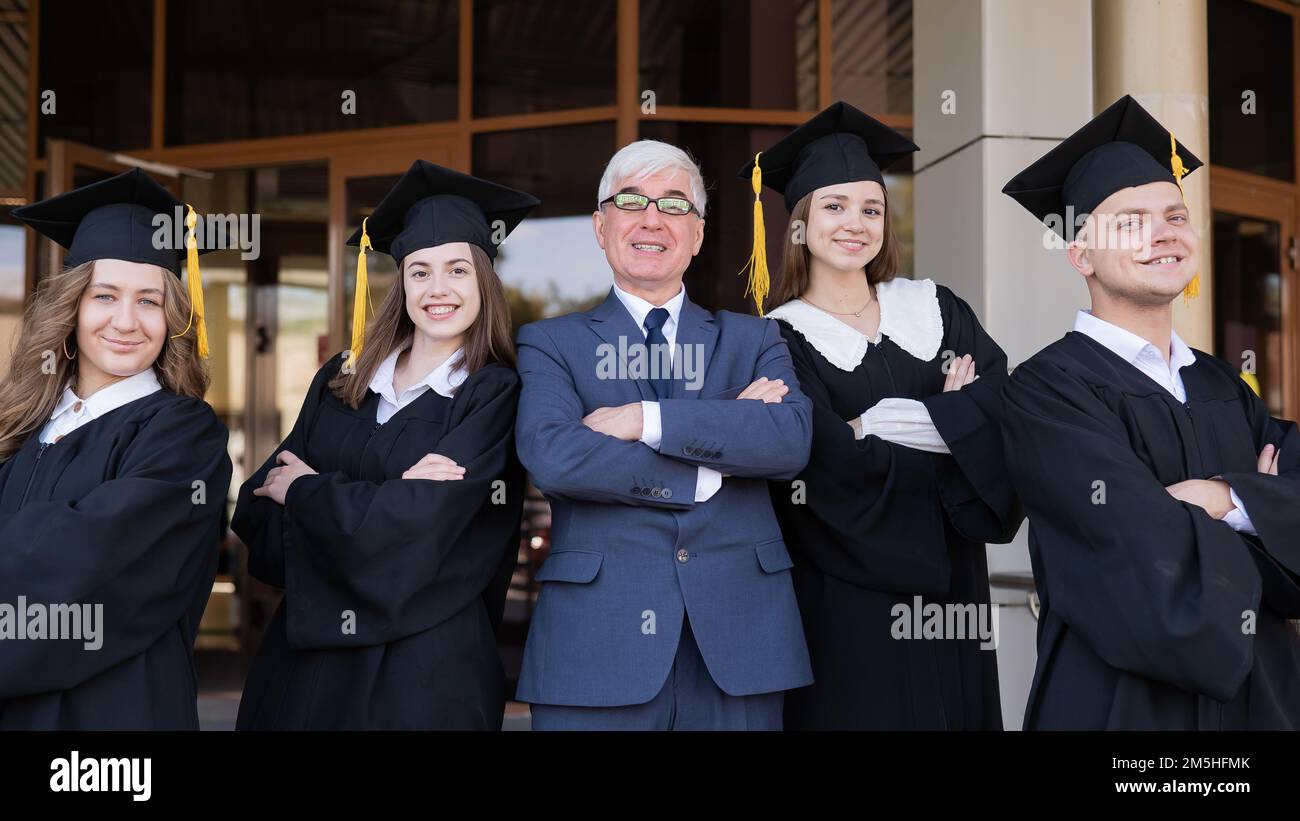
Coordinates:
column 625, row 201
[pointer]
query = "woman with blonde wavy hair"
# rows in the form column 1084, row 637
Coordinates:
column 390, row 515
column 113, row 473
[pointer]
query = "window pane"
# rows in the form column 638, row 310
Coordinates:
column 871, row 54
column 531, row 56
column 225, row 297
column 226, row 300
column 1250, row 51
column 551, row 263
column 245, row 69
column 899, row 193
column 302, row 322
column 1248, row 300
column 97, row 58
column 730, row 53
column 40, row 257
column 13, row 254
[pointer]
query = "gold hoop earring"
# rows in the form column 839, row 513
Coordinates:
column 66, row 355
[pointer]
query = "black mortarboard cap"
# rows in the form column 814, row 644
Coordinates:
column 840, row 144
column 432, row 205
column 1122, row 147
column 111, row 219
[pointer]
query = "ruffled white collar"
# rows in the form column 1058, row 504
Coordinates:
column 909, row 315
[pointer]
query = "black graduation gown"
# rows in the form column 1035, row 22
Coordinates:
column 882, row 523
column 112, row 514
column 421, row 566
column 1144, row 598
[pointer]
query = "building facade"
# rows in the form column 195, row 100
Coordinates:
column 301, row 114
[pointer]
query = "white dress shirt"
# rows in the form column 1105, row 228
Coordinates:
column 904, row 422
column 707, row 480
column 1144, row 356
column 72, row 411
column 442, row 380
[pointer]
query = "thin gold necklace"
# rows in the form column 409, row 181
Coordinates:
column 857, row 313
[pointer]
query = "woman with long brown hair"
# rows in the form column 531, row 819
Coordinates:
column 906, row 480
column 114, row 473
column 390, row 515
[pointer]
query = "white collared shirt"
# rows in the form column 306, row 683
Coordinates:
column 72, row 411
column 1140, row 353
column 707, row 480
column 442, row 380
column 1144, row 356
column 640, row 309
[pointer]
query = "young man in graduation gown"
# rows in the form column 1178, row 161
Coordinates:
column 390, row 514
column 114, row 476
column 1163, row 500
column 666, row 599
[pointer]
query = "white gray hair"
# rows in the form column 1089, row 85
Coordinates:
column 645, row 158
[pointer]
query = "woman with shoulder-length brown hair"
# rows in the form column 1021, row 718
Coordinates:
column 390, row 515
column 906, row 481
column 114, row 473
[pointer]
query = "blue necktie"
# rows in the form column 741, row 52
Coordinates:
column 657, row 344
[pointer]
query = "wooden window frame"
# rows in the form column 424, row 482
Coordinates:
column 343, row 150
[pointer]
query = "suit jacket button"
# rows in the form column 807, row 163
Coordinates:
column 683, row 556
column 645, row 491
column 686, row 449
column 717, row 454
column 667, row 493
column 636, row 491
column 655, row 493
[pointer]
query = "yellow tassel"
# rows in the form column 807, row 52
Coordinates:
column 1252, row 380
column 361, row 296
column 1193, row 288
column 1176, row 165
column 194, row 283
column 759, row 281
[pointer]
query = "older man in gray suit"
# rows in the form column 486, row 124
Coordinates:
column 653, row 425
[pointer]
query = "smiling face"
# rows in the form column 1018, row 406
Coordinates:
column 442, row 290
column 121, row 325
column 846, row 224
column 1141, row 247
column 649, row 251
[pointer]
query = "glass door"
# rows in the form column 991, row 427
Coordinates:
column 265, row 296
column 1256, row 312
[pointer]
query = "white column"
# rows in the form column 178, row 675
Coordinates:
column 1020, row 73
column 1159, row 53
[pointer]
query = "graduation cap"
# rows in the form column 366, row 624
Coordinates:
column 838, row 145
column 432, row 205
column 1122, row 147
column 115, row 219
